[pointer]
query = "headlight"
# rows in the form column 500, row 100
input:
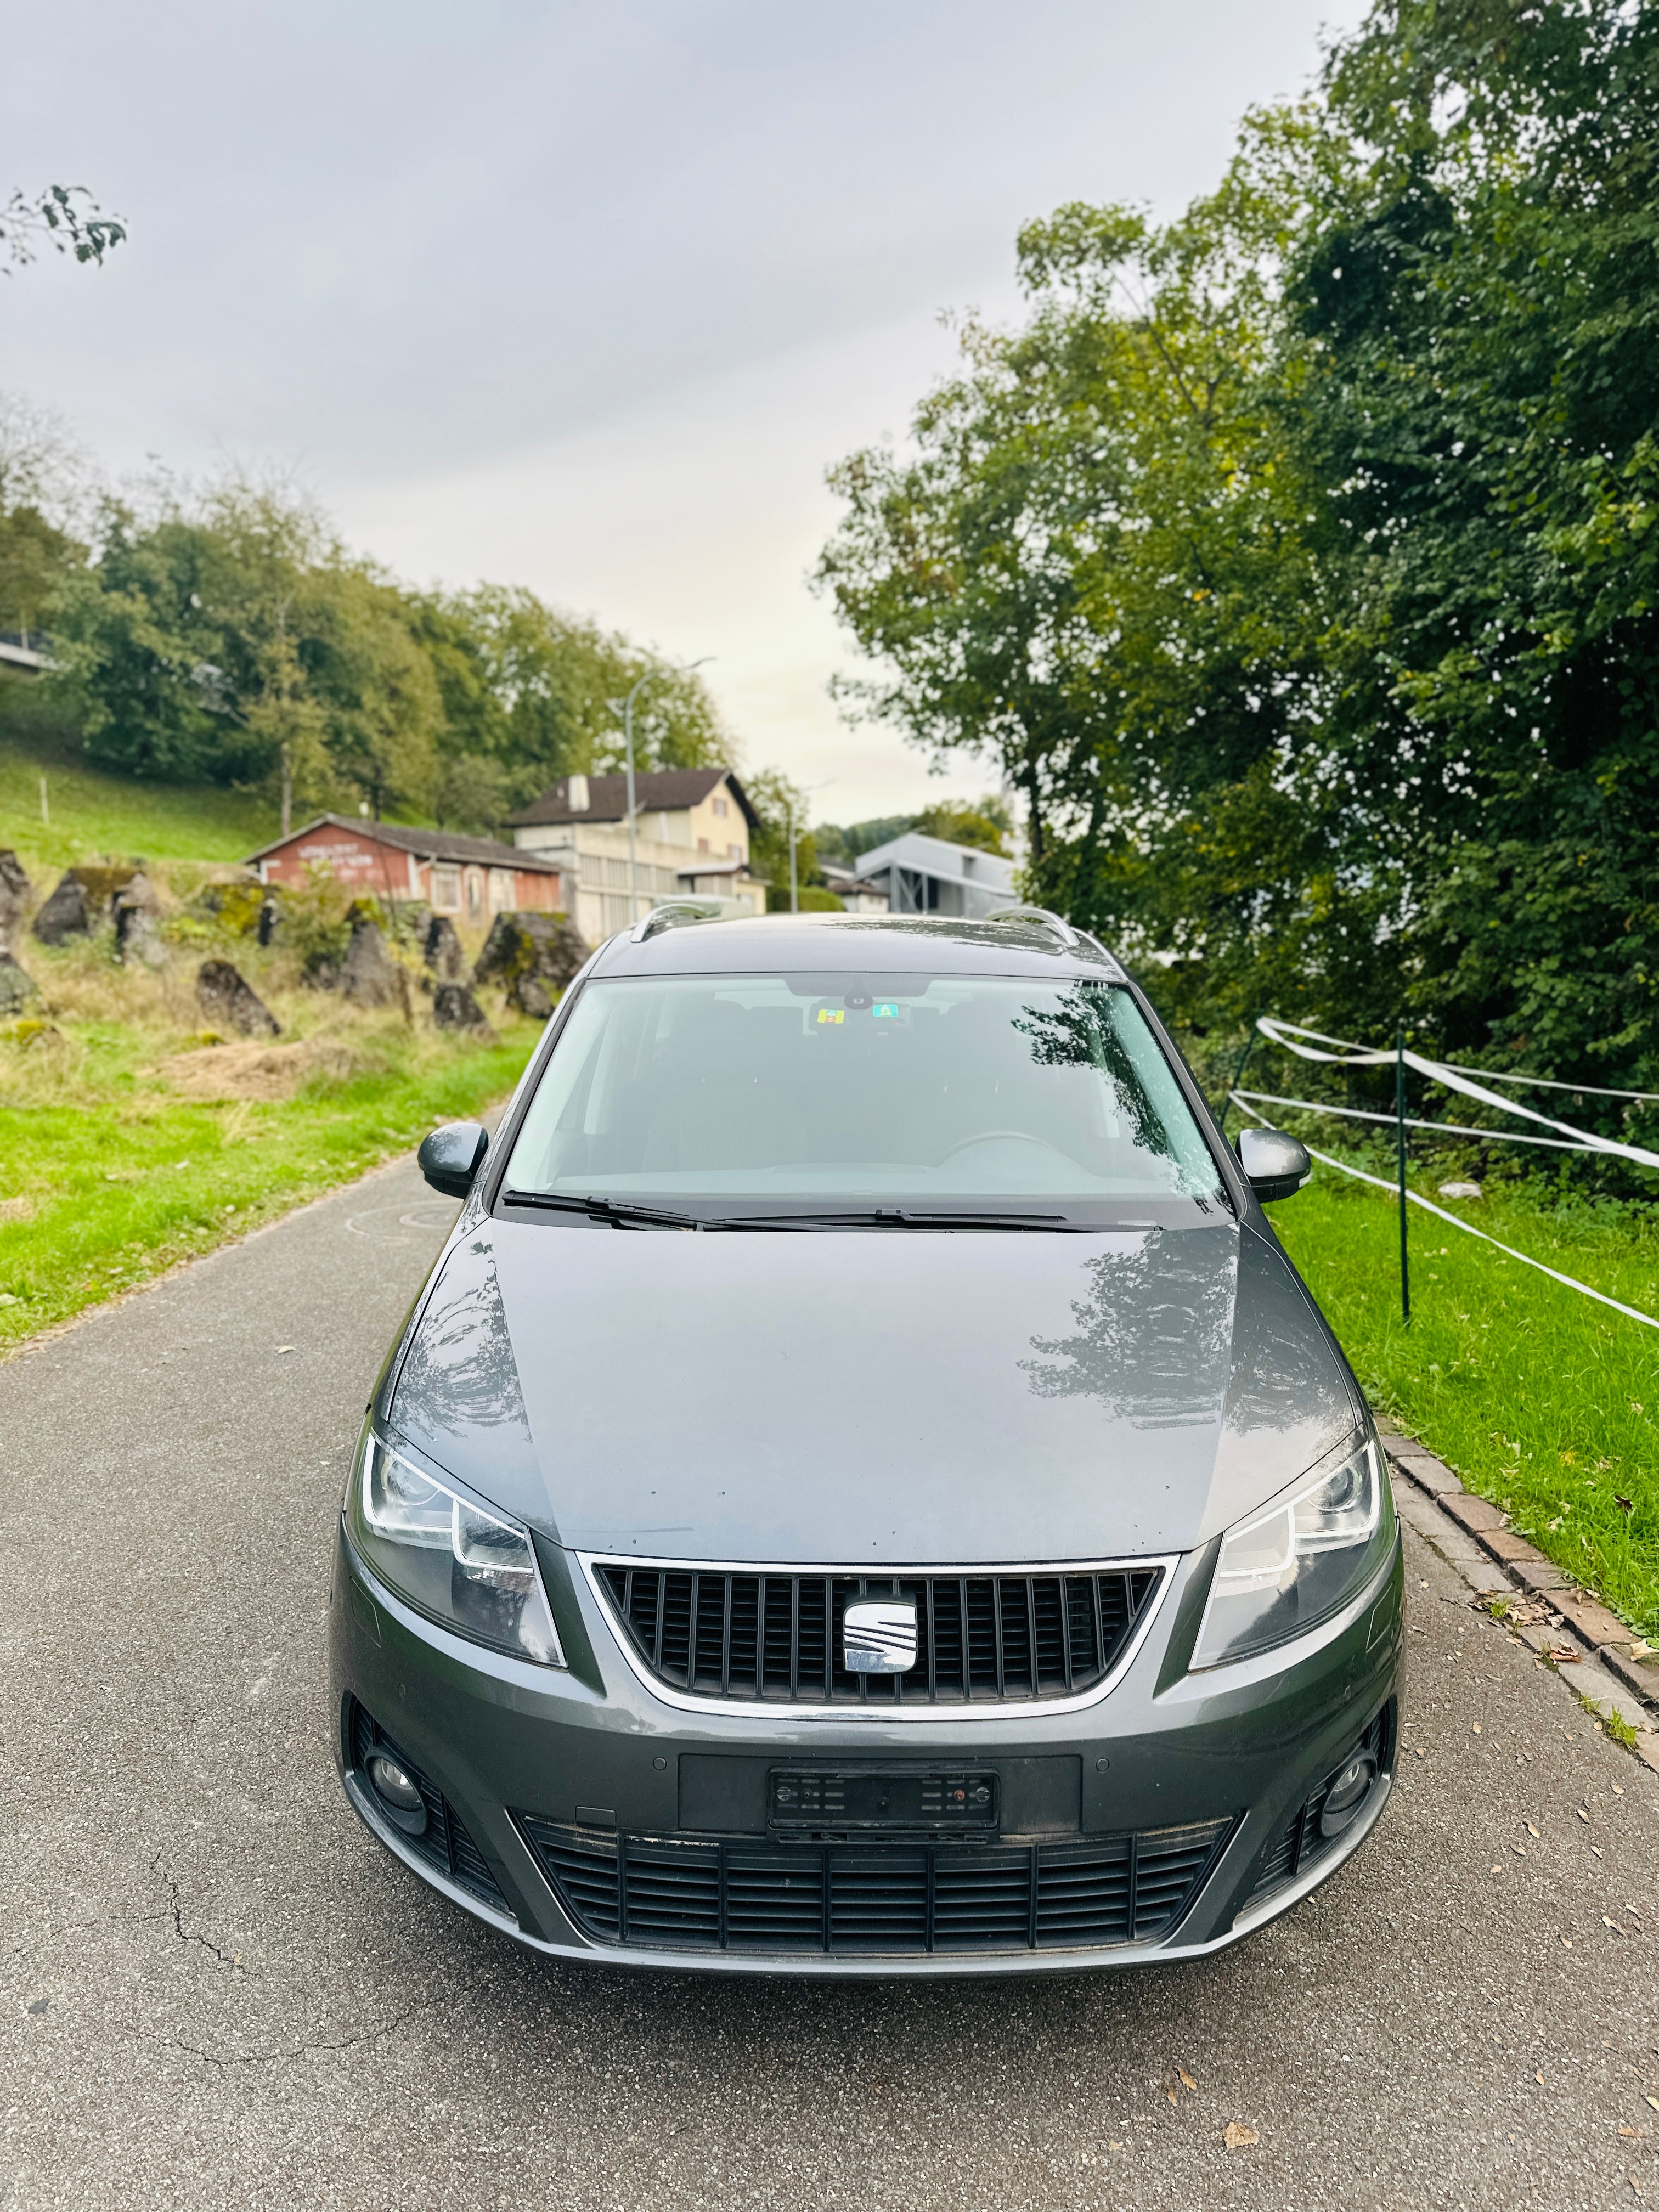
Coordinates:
column 1292, row 1565
column 469, row 1570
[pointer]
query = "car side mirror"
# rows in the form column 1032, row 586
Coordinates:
column 451, row 1156
column 1275, row 1165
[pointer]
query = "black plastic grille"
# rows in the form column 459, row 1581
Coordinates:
column 778, row 1638
column 444, row 1843
column 657, row 1893
column 1300, row 1842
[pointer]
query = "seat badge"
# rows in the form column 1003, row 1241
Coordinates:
column 879, row 1636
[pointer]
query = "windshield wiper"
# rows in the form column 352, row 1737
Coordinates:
column 623, row 1215
column 904, row 1217
column 602, row 1209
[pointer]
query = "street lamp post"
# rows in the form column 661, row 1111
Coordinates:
column 628, row 742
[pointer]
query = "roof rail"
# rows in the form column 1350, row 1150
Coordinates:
column 1062, row 929
column 671, row 911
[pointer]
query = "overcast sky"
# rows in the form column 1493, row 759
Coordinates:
column 588, row 296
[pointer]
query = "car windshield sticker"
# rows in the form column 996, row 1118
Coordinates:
column 885, row 1010
column 832, row 1013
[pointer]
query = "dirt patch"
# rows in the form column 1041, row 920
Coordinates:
column 255, row 1071
column 17, row 1209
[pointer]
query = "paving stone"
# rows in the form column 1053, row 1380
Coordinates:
column 1473, row 1512
column 1541, row 1575
column 1454, row 1543
column 1634, row 1673
column 1513, row 1550
column 1592, row 1619
column 1422, row 1513
column 1486, row 1576
column 1424, row 1467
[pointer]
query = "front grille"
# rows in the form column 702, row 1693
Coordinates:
column 1300, row 1842
column 660, row 1894
column 444, row 1843
column 777, row 1638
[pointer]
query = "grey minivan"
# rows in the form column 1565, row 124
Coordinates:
column 863, row 1491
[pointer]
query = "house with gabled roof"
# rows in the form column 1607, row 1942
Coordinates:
column 692, row 827
column 472, row 879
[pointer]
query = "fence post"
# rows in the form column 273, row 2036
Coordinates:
column 1238, row 1076
column 1400, row 1133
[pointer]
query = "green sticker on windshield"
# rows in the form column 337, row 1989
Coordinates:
column 885, row 1010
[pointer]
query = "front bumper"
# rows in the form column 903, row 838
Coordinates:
column 518, row 1750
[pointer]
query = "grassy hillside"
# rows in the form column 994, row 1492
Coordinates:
column 88, row 812
column 129, row 1137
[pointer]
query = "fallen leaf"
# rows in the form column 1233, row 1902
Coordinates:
column 1564, row 1655
column 1614, row 1924
column 1238, row 2136
column 1476, row 1730
column 1114, row 2145
column 1497, row 1869
column 1173, row 2098
column 1567, row 1940
column 1539, row 2076
column 1531, row 1830
column 1633, row 2133
column 1186, row 2080
column 1654, row 2101
column 1581, row 1813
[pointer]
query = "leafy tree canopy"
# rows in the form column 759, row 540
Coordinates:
column 1295, row 560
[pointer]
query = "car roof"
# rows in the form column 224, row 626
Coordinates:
column 858, row 944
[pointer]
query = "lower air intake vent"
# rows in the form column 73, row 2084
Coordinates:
column 1301, row 1841
column 657, row 1894
column 443, row 1842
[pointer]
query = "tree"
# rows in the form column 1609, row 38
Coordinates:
column 536, row 691
column 1475, row 311
column 1094, row 570
column 63, row 217
column 776, row 801
column 985, row 825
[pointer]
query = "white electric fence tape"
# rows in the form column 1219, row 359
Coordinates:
column 1468, row 1227
column 1451, row 1078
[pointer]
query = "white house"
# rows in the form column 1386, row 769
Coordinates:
column 926, row 875
column 691, row 829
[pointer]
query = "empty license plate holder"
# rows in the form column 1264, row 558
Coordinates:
column 865, row 1801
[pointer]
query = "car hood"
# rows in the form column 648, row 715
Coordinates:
column 894, row 1397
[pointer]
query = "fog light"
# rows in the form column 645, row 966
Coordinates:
column 399, row 1792
column 1347, row 1793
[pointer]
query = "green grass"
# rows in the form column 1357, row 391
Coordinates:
column 125, row 1145
column 93, row 813
column 1542, row 1400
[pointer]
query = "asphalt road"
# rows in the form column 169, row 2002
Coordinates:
column 218, row 1989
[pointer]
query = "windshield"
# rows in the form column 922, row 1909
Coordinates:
column 912, row 1090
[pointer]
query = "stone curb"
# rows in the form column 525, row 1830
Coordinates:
column 1472, row 1535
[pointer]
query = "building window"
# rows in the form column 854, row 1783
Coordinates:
column 445, row 891
column 702, row 844
column 734, row 852
column 721, row 807
column 474, row 894
column 501, row 890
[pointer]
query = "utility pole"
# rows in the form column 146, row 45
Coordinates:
column 794, row 886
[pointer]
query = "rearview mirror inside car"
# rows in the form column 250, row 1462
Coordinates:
column 452, row 1155
column 1275, row 1165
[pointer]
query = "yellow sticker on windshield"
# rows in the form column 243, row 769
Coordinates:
column 832, row 1013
